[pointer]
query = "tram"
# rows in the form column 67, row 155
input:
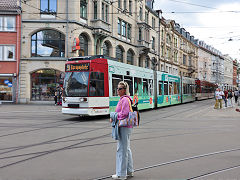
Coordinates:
column 90, row 86
column 205, row 89
column 188, row 89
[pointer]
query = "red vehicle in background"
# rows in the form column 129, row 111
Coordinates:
column 205, row 89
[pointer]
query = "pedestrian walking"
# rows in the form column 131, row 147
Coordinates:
column 124, row 161
column 236, row 96
column 230, row 96
column 225, row 96
column 218, row 98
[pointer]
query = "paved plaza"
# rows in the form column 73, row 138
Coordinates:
column 189, row 141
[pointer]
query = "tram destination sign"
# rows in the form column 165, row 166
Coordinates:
column 77, row 67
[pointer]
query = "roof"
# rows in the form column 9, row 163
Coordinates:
column 9, row 6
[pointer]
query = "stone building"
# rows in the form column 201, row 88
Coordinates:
column 128, row 30
column 228, row 72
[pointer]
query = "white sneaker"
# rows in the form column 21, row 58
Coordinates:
column 130, row 174
column 119, row 177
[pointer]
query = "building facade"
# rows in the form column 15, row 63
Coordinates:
column 127, row 30
column 228, row 72
column 10, row 36
column 235, row 67
column 204, row 64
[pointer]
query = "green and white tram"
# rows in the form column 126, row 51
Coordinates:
column 90, row 86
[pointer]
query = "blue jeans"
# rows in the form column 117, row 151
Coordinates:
column 124, row 161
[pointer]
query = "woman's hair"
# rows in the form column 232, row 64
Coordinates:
column 125, row 86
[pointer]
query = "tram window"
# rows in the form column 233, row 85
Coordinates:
column 145, row 87
column 165, row 88
column 150, row 87
column 160, row 84
column 115, row 80
column 138, row 86
column 96, row 86
column 129, row 80
column 184, row 88
column 170, row 88
column 175, row 86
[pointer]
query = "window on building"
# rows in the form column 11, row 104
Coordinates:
column 130, row 56
column 6, row 88
column 83, row 9
column 125, row 4
column 119, row 54
column 48, row 6
column 141, row 14
column 129, row 31
column 189, row 60
column 84, row 45
column 7, row 23
column 95, row 11
column 153, row 43
column 48, row 43
column 119, row 4
column 119, row 26
column 162, row 34
column 124, row 24
column 147, row 62
column 106, row 49
column 168, row 39
column 140, row 34
column 140, row 64
column 1, row 53
column 146, row 16
column 103, row 11
column 44, row 84
column 7, row 53
column 130, row 7
column 184, row 59
column 162, row 51
column 106, row 13
column 153, row 22
column 147, row 35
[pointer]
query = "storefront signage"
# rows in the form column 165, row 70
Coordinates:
column 6, row 81
column 77, row 67
column 76, row 45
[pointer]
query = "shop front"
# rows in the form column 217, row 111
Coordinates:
column 44, row 84
column 6, row 88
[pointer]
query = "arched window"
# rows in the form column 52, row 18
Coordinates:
column 106, row 49
column 48, row 43
column 119, row 54
column 83, row 45
column 130, row 57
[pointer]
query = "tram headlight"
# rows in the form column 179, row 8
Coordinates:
column 64, row 99
column 83, row 99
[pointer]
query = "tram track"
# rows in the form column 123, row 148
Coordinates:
column 184, row 160
column 39, row 154
column 214, row 172
column 49, row 141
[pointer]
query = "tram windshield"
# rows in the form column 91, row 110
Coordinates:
column 76, row 84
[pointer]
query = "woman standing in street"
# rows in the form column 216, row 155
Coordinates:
column 124, row 161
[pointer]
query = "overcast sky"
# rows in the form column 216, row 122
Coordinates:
column 216, row 22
